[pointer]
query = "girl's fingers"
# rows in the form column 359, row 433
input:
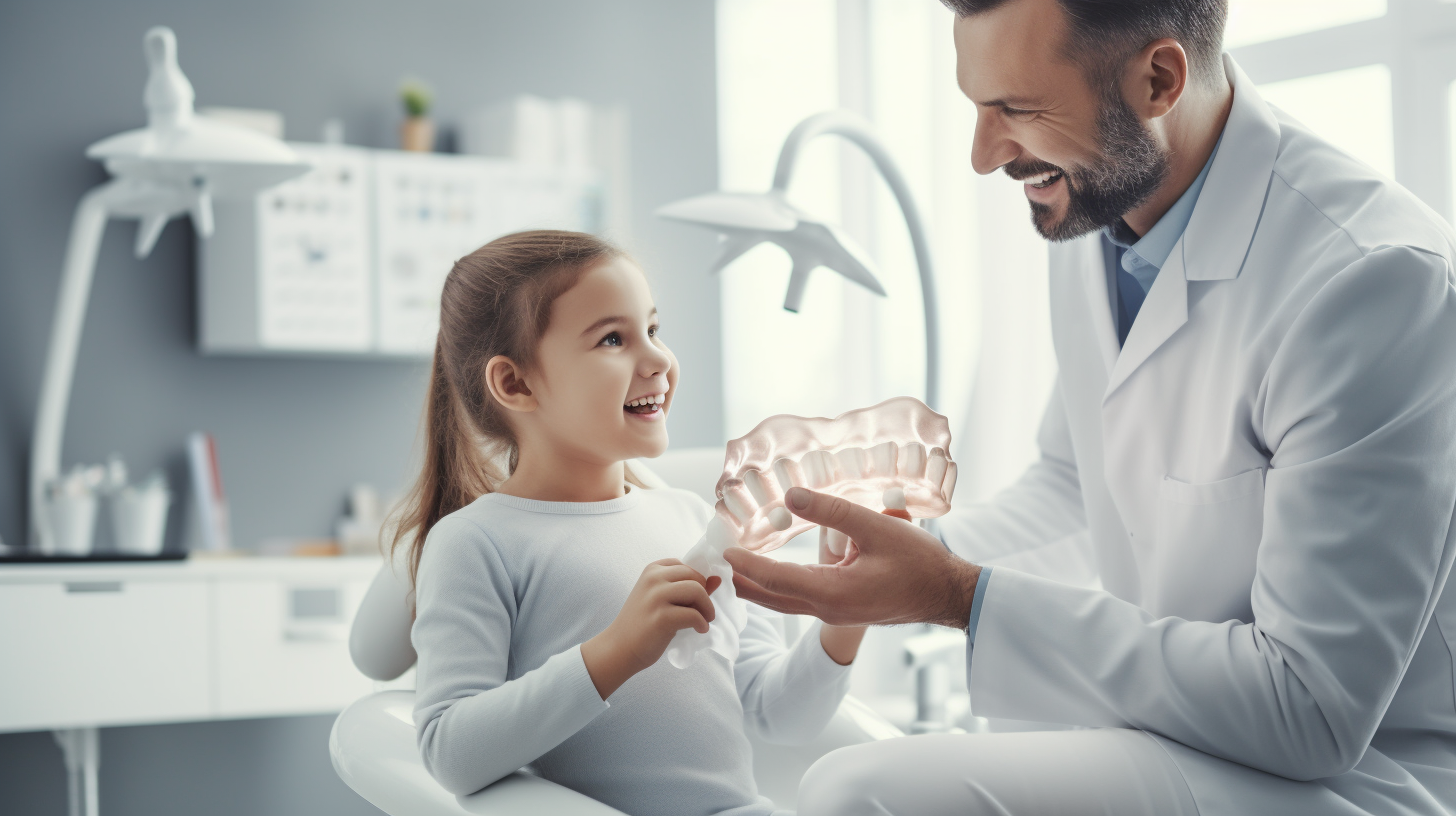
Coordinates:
column 686, row 617
column 713, row 583
column 676, row 572
column 689, row 594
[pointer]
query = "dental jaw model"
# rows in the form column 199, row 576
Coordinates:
column 891, row 458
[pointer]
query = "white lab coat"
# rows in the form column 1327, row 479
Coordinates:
column 1266, row 473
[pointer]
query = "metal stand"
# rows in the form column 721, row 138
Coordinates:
column 928, row 655
column 82, row 749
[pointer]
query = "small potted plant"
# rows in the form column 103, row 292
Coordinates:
column 417, row 132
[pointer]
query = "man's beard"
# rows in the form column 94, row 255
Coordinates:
column 1132, row 167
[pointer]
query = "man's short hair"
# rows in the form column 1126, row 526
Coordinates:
column 1104, row 34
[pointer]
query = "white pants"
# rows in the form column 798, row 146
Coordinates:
column 1112, row 771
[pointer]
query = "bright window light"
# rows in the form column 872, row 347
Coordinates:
column 1451, row 137
column 777, row 64
column 1349, row 108
column 1254, row 21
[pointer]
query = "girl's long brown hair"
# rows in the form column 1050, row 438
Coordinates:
column 496, row 301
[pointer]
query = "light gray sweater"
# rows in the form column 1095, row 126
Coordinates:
column 508, row 590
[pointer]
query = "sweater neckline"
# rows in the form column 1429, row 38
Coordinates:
column 555, row 508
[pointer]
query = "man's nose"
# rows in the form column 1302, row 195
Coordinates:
column 992, row 148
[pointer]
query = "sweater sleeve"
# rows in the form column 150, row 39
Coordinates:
column 474, row 725
column 789, row 694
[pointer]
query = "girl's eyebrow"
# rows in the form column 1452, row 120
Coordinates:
column 603, row 323
column 611, row 320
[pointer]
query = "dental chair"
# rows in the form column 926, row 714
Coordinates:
column 373, row 741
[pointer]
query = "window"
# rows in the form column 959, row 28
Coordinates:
column 1350, row 108
column 1371, row 76
column 1252, row 21
column 893, row 62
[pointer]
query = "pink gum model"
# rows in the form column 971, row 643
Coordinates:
column 859, row 455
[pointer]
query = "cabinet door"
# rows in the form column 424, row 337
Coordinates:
column 103, row 653
column 283, row 648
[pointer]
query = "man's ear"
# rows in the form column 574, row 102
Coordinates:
column 506, row 382
column 1157, row 78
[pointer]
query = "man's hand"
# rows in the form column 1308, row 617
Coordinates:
column 896, row 573
column 841, row 643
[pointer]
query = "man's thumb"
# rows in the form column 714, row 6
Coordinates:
column 859, row 523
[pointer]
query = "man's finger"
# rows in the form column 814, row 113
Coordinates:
column 753, row 593
column 778, row 577
column 859, row 523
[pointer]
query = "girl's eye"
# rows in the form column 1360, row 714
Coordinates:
column 613, row 339
column 652, row 331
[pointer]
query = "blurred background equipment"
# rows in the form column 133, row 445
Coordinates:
column 176, row 165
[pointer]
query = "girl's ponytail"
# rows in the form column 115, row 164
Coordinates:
column 495, row 301
column 456, row 468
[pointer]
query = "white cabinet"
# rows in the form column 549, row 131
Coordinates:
column 100, row 645
column 350, row 258
column 283, row 646
column 103, row 652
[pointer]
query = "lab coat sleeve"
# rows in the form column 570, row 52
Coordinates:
column 789, row 694
column 1358, row 411
column 1043, row 507
column 474, row 726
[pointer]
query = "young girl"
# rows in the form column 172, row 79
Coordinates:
column 547, row 586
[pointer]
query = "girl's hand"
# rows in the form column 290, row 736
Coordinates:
column 841, row 643
column 668, row 597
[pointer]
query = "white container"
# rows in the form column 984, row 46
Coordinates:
column 139, row 518
column 73, row 519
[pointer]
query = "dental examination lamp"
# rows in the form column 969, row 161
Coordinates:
column 176, row 165
column 745, row 220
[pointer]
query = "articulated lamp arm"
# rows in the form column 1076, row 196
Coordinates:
column 855, row 130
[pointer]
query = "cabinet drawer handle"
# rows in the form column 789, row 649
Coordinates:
column 93, row 586
column 315, row 634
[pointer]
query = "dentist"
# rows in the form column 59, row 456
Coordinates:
column 1254, row 427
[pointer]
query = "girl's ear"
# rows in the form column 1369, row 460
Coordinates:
column 507, row 384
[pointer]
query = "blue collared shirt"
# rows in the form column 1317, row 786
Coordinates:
column 1144, row 257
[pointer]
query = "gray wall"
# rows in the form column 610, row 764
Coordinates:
column 293, row 434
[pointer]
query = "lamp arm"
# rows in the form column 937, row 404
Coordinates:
column 87, row 227
column 856, row 130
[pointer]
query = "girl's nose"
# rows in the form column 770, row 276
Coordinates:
column 655, row 362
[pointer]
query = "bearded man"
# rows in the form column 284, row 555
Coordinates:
column 1252, row 438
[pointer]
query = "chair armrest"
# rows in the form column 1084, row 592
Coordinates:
column 373, row 749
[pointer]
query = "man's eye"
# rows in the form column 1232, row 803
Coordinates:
column 613, row 339
column 1017, row 113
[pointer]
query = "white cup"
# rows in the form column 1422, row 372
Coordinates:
column 139, row 518
column 73, row 523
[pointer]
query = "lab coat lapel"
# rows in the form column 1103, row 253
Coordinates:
column 1164, row 312
column 1089, row 259
column 1220, row 230
column 1232, row 202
